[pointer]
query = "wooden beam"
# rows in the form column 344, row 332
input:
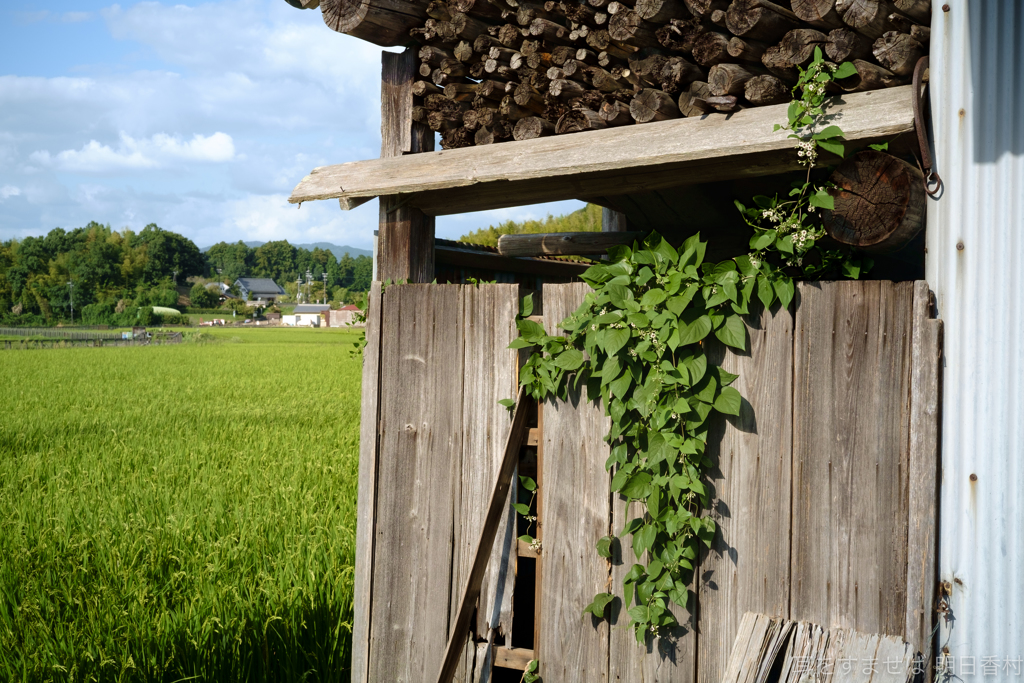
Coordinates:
column 473, row 258
column 564, row 243
column 607, row 162
column 495, row 508
column 406, row 236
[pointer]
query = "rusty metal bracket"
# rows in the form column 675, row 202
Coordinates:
column 932, row 181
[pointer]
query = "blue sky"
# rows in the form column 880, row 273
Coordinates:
column 200, row 117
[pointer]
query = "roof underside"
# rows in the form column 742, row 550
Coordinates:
column 600, row 165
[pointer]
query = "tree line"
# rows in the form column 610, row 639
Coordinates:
column 110, row 275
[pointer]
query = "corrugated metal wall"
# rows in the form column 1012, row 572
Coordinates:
column 974, row 264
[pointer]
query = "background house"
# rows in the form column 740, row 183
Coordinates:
column 307, row 315
column 259, row 291
column 343, row 317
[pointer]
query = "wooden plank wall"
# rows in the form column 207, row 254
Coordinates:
column 417, row 479
column 435, row 366
column 747, row 567
column 490, row 371
column 811, row 489
column 851, row 423
column 820, row 485
column 576, row 515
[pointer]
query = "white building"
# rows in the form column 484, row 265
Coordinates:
column 307, row 315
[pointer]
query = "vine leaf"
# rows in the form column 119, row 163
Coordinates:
column 531, row 331
column 570, row 359
column 615, row 339
column 828, row 133
column 784, row 289
column 638, row 486
column 728, row 402
column 693, row 332
column 733, row 332
column 822, row 199
column 604, row 546
column 597, row 607
column 844, row 70
column 526, row 307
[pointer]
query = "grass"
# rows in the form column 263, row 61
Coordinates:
column 179, row 512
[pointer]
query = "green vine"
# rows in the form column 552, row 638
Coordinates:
column 639, row 343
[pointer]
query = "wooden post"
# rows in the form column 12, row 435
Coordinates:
column 406, row 236
column 922, row 539
column 613, row 221
column 366, row 499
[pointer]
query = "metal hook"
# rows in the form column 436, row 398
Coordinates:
column 932, row 181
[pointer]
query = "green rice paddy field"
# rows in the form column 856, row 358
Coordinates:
column 185, row 512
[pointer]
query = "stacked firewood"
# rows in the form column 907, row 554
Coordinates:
column 496, row 70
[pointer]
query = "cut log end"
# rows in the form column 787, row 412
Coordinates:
column 879, row 203
column 372, row 23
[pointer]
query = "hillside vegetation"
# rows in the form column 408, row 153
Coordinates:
column 587, row 219
column 110, row 276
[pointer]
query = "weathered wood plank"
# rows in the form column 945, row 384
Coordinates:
column 490, row 376
column 576, row 515
column 512, row 658
column 922, row 539
column 747, row 567
column 670, row 658
column 564, row 243
column 418, row 470
column 806, row 651
column 405, row 245
column 850, row 442
column 605, row 162
column 496, row 515
column 759, row 642
column 366, row 496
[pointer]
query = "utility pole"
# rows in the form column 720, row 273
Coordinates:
column 309, row 283
column 325, row 287
column 298, row 289
column 71, row 290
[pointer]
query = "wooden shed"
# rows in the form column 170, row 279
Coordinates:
column 824, row 487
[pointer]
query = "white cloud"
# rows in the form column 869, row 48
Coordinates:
column 285, row 92
column 158, row 151
column 9, row 191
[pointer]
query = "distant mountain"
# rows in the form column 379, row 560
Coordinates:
column 327, row 246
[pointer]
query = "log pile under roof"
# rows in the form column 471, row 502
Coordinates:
column 498, row 70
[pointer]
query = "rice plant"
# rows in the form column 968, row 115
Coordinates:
column 180, row 512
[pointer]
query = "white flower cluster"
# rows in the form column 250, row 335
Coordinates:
column 794, row 262
column 535, row 546
column 807, row 152
column 755, row 260
column 801, row 239
column 774, row 215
